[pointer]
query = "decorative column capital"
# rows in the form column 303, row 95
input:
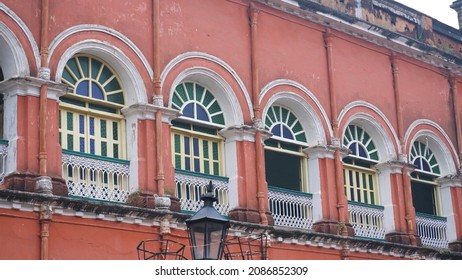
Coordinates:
column 239, row 133
column 392, row 167
column 158, row 100
column 44, row 73
column 450, row 181
column 319, row 152
column 148, row 112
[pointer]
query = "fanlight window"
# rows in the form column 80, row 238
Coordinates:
column 285, row 161
column 197, row 146
column 424, row 188
column 359, row 178
column 90, row 120
column 197, row 103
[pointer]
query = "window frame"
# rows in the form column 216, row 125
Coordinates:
column 281, row 144
column 190, row 126
column 435, row 172
column 90, row 107
column 364, row 166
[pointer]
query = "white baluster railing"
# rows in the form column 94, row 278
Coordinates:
column 367, row 220
column 3, row 154
column 96, row 177
column 291, row 208
column 432, row 230
column 191, row 186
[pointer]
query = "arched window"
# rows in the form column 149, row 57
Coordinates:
column 90, row 117
column 424, row 188
column 92, row 131
column 360, row 179
column 284, row 158
column 197, row 146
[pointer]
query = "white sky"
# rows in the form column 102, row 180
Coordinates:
column 438, row 9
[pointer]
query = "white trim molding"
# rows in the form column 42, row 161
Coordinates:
column 220, row 89
column 305, row 114
column 13, row 59
column 445, row 155
column 132, row 82
column 207, row 57
column 376, row 130
column 103, row 29
column 22, row 62
column 285, row 82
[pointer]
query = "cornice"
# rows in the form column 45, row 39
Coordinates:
column 126, row 214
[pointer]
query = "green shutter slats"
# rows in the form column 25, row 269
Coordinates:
column 421, row 151
column 278, row 115
column 190, row 92
column 355, row 135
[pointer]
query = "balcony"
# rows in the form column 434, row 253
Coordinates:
column 96, row 177
column 191, row 186
column 367, row 220
column 291, row 208
column 3, row 154
column 432, row 230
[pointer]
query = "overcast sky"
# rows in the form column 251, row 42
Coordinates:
column 438, row 9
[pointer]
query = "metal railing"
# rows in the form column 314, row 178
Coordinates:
column 3, row 155
column 190, row 186
column 96, row 177
column 367, row 219
column 291, row 208
column 432, row 230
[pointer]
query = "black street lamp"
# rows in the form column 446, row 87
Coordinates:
column 207, row 230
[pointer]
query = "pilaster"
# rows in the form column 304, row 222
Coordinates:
column 21, row 130
column 240, row 144
column 325, row 189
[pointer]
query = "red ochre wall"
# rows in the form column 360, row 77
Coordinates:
column 286, row 48
column 76, row 238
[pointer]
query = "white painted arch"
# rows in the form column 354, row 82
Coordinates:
column 300, row 107
column 105, row 30
column 13, row 59
column 305, row 114
column 132, row 83
column 220, row 89
column 384, row 142
column 444, row 154
column 212, row 76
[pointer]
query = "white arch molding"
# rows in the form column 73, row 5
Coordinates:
column 207, row 57
column 382, row 141
column 13, row 59
column 440, row 150
column 103, row 29
column 377, row 131
column 305, row 114
column 220, row 89
column 130, row 78
column 301, row 108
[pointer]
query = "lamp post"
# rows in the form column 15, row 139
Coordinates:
column 207, row 230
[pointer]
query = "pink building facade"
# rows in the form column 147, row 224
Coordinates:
column 332, row 129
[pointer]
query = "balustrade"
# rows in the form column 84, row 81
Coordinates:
column 291, row 208
column 96, row 177
column 191, row 186
column 432, row 230
column 367, row 220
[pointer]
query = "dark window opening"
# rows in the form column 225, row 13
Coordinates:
column 423, row 198
column 283, row 170
column 1, row 75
